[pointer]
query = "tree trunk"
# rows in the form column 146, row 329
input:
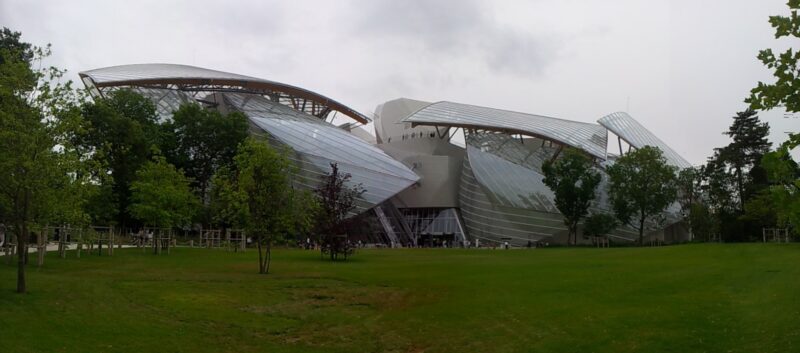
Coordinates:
column 22, row 247
column 572, row 231
column 269, row 256
column 260, row 256
column 22, row 244
column 740, row 185
column 575, row 234
column 641, row 231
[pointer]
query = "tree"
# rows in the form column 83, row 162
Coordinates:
column 201, row 141
column 228, row 206
column 160, row 195
column 735, row 176
column 784, row 174
column 32, row 169
column 704, row 223
column 695, row 189
column 599, row 225
column 15, row 51
column 690, row 196
column 784, row 92
column 305, row 212
column 742, row 157
column 119, row 134
column 642, row 186
column 781, row 170
column 265, row 181
column 573, row 181
column 336, row 201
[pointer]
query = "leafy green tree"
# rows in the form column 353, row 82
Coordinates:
column 33, row 171
column 742, row 157
column 704, row 223
column 573, row 181
column 200, row 141
column 306, row 209
column 227, row 204
column 599, row 224
column 690, row 182
column 119, row 134
column 642, row 186
column 784, row 174
column 735, row 176
column 761, row 209
column 783, row 92
column 336, row 201
column 160, row 195
column 781, row 170
column 265, row 180
column 15, row 51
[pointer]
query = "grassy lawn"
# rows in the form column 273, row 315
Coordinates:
column 691, row 298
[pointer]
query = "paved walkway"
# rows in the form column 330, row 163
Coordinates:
column 54, row 247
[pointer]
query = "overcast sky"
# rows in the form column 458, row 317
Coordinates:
column 681, row 67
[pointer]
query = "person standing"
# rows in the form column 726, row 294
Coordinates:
column 2, row 235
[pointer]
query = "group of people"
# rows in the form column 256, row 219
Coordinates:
column 143, row 237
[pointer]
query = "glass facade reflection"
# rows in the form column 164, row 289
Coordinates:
column 316, row 144
column 431, row 226
column 432, row 192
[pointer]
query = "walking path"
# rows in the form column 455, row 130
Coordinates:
column 54, row 247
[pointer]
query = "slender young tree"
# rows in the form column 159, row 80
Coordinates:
column 264, row 180
column 642, row 186
column 573, row 181
column 336, row 200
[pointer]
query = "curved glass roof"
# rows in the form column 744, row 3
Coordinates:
column 511, row 184
column 591, row 138
column 191, row 78
column 626, row 127
column 321, row 143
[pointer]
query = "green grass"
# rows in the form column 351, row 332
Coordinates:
column 691, row 298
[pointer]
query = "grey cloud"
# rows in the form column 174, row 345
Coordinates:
column 518, row 53
column 456, row 29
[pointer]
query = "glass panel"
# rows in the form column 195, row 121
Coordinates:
column 317, row 144
column 638, row 136
column 588, row 137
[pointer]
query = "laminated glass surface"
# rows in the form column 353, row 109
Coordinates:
column 138, row 72
column 317, row 144
column 624, row 126
column 529, row 152
column 591, row 138
column 489, row 221
column 503, row 197
column 433, row 221
column 167, row 101
column 509, row 184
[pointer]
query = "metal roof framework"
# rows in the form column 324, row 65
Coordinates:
column 591, row 138
column 196, row 81
column 636, row 135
